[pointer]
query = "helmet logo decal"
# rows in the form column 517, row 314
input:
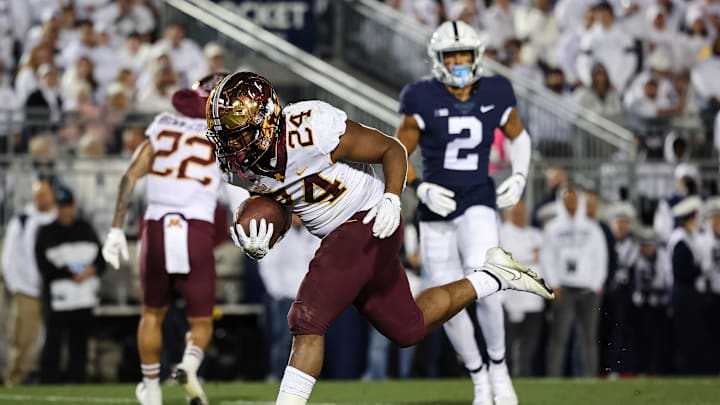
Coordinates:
column 244, row 118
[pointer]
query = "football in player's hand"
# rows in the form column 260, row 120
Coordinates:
column 258, row 207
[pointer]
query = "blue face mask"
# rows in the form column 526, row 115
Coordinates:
column 462, row 72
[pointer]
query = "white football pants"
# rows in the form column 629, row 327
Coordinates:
column 452, row 249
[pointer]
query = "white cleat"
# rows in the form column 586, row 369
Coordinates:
column 193, row 390
column 503, row 391
column 513, row 275
column 481, row 384
column 148, row 396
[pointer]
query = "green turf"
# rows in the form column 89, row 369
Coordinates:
column 656, row 391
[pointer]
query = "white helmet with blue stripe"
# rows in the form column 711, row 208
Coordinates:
column 453, row 36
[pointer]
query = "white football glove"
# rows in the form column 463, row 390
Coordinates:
column 257, row 244
column 386, row 214
column 437, row 198
column 115, row 247
column 510, row 191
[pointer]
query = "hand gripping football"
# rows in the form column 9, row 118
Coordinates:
column 258, row 207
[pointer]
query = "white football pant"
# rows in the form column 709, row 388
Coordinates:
column 452, row 249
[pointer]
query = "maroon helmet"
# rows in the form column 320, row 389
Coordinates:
column 191, row 102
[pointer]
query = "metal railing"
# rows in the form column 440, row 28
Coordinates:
column 379, row 40
column 302, row 74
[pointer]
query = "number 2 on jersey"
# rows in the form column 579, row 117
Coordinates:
column 456, row 126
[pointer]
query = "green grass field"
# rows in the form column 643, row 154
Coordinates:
column 656, row 391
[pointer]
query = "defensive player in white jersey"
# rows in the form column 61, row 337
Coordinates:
column 183, row 182
column 312, row 158
column 452, row 117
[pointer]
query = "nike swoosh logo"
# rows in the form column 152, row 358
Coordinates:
column 300, row 172
column 515, row 274
column 486, row 108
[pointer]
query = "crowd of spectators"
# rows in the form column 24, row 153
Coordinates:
column 646, row 64
column 80, row 69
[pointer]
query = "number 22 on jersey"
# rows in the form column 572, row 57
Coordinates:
column 186, row 162
column 456, row 126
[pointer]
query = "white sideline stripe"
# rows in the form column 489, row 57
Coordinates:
column 267, row 403
column 61, row 398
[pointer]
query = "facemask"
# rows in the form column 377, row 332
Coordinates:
column 461, row 72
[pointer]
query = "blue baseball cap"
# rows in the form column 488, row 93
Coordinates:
column 64, row 195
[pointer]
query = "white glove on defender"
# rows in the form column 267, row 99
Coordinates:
column 115, row 247
column 386, row 214
column 437, row 198
column 257, row 244
column 510, row 191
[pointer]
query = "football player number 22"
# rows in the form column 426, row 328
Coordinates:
column 193, row 159
column 456, row 126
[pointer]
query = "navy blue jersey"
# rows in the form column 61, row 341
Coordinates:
column 456, row 136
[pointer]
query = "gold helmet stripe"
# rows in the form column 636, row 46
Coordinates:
column 216, row 101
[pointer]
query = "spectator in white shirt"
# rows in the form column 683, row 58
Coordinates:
column 51, row 21
column 522, row 63
column 424, row 11
column 709, row 10
column 537, row 26
column 674, row 11
column 567, row 47
column 499, row 22
column 696, row 40
column 282, row 271
column 105, row 57
column 38, row 7
column 14, row 24
column 82, row 44
column 86, row 8
column 688, row 121
column 134, row 53
column 524, row 311
column 574, row 260
column 157, row 97
column 601, row 97
column 608, row 43
column 569, row 13
column 186, row 56
column 125, row 17
column 652, row 93
column 660, row 36
column 644, row 104
column 704, row 78
column 215, row 55
column 11, row 117
column 81, row 71
column 26, row 80
column 22, row 279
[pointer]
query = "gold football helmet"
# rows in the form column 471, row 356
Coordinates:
column 243, row 119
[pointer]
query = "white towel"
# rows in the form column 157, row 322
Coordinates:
column 177, row 258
